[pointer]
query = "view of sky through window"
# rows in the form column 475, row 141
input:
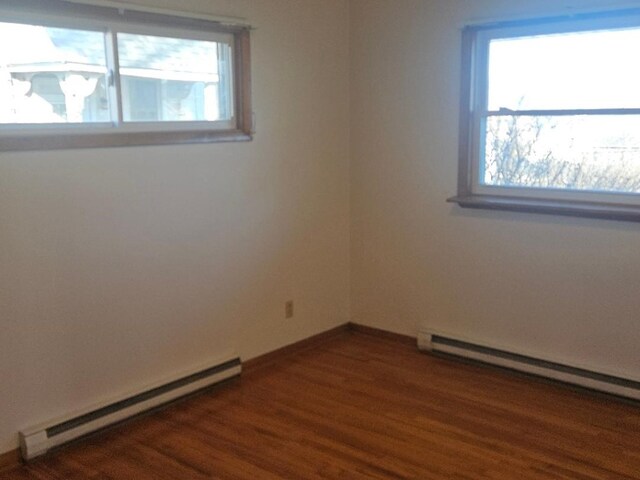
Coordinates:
column 566, row 71
column 552, row 149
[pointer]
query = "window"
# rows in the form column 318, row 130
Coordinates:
column 90, row 76
column 550, row 116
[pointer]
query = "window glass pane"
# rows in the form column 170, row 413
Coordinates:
column 172, row 79
column 598, row 69
column 597, row 153
column 52, row 75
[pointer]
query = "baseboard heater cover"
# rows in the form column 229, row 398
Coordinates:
column 39, row 439
column 604, row 382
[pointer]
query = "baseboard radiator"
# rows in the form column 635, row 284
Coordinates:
column 39, row 439
column 616, row 385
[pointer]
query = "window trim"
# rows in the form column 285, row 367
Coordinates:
column 471, row 193
column 25, row 137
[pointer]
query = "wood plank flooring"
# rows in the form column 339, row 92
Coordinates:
column 361, row 407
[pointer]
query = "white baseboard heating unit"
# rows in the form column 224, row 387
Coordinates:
column 39, row 439
column 613, row 384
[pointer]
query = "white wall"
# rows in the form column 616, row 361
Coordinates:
column 562, row 288
column 121, row 266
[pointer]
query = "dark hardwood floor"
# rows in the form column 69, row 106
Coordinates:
column 361, row 407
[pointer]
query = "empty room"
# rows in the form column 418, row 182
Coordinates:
column 301, row 239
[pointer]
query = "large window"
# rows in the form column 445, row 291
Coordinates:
column 87, row 76
column 551, row 116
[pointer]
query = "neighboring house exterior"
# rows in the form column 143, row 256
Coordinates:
column 53, row 75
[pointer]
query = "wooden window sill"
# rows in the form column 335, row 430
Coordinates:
column 608, row 211
column 118, row 139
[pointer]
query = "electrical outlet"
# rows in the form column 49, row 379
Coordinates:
column 288, row 309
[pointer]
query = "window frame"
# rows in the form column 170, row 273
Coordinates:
column 473, row 110
column 117, row 133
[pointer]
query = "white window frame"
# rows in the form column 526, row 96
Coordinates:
column 112, row 21
column 472, row 193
